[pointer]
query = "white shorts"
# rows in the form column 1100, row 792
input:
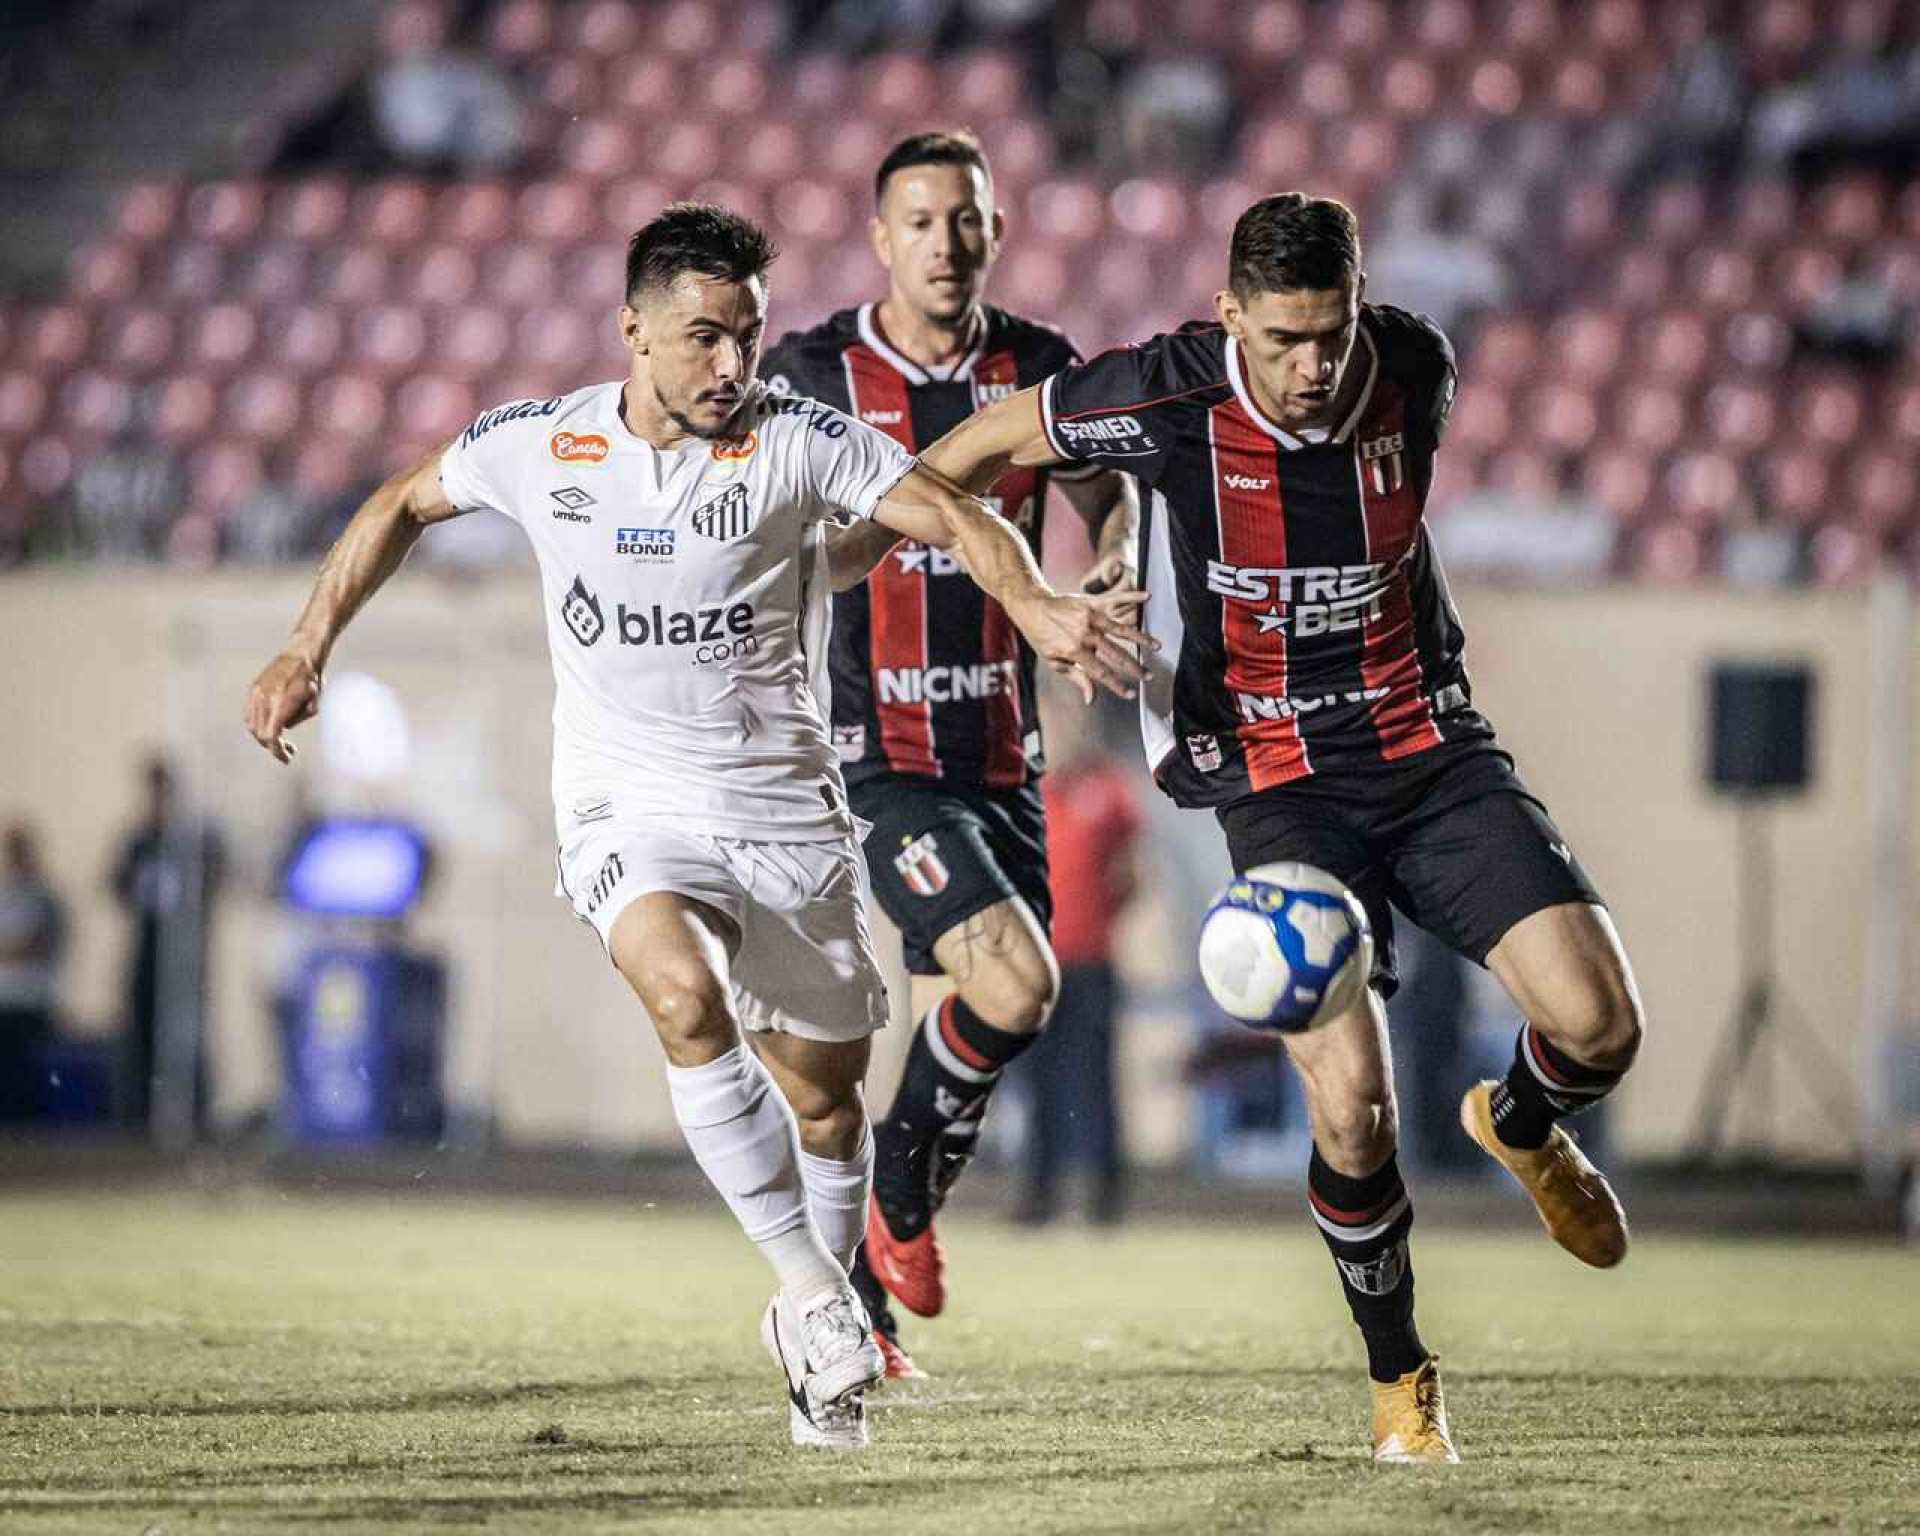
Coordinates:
column 805, row 963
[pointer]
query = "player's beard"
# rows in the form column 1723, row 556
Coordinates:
column 692, row 428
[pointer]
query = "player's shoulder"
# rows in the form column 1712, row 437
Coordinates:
column 1039, row 347
column 800, row 357
column 1410, row 346
column 1166, row 369
column 515, row 420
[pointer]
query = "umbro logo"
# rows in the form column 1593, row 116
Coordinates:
column 1246, row 483
column 571, row 502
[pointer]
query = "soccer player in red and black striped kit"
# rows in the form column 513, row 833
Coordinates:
column 933, row 690
column 1310, row 691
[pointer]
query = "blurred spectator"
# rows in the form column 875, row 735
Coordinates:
column 1696, row 125
column 274, row 521
column 1438, row 266
column 1859, row 321
column 1758, row 553
column 33, row 942
column 426, row 106
column 1092, row 822
column 1860, row 108
column 1175, row 113
column 167, row 876
column 1520, row 531
column 122, row 502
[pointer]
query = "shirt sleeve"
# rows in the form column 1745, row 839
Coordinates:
column 848, row 465
column 474, row 465
column 1103, row 412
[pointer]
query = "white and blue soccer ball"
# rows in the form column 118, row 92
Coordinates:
column 1286, row 947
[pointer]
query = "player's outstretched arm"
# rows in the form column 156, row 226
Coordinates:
column 287, row 691
column 1090, row 635
column 988, row 443
column 855, row 549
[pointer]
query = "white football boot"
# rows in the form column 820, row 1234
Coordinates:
column 829, row 1361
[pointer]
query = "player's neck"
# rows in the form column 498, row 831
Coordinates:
column 1323, row 420
column 646, row 418
column 932, row 344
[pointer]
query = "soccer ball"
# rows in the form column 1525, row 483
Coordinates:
column 1286, row 947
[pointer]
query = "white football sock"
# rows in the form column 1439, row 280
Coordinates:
column 837, row 1195
column 743, row 1135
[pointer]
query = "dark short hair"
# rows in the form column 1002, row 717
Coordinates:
column 958, row 147
column 696, row 237
column 1292, row 241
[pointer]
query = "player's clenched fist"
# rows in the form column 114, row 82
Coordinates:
column 1090, row 636
column 286, row 692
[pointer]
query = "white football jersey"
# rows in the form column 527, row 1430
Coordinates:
column 687, row 602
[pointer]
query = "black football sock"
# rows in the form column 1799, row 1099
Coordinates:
column 1365, row 1221
column 954, row 1061
column 1543, row 1084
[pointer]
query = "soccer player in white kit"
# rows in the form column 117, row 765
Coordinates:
column 678, row 518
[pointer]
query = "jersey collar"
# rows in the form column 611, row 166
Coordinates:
column 1237, row 373
column 869, row 324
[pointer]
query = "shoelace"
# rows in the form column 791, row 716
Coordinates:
column 832, row 1330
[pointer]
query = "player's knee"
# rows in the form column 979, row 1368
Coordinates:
column 1601, row 1023
column 1358, row 1130
column 689, row 1010
column 831, row 1119
column 1017, row 996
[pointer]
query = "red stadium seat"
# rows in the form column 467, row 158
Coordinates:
column 1585, row 345
column 57, row 338
column 596, row 148
column 305, row 338
column 821, row 85
column 1781, row 30
column 750, row 201
column 275, row 273
column 47, row 464
column 1366, row 152
column 605, row 26
column 95, row 404
column 772, row 152
column 189, row 274
column 626, row 205
column 103, row 274
column 1589, row 214
column 1676, row 214
column 1220, row 204
column 556, row 337
column 1805, row 274
column 595, row 274
column 521, row 29
column 226, row 212
column 1410, row 87
column 1882, row 489
column 1620, row 480
column 1495, row 88
column 1669, row 553
column 263, row 406
column 1032, row 278
column 811, row 210
column 1504, row 351
column 1325, row 87
column 1123, row 273
column 476, row 212
column 1764, row 212
column 1795, row 484
column 349, row 406
column 220, row 473
column 1903, row 414
column 389, row 337
column 1722, row 278
column 473, row 340
column 1641, row 279
column 571, row 85
column 355, row 275
column 1755, row 343
column 310, row 211
column 1118, row 26
column 1021, row 150
column 1840, row 555
column 1274, row 32
column 139, row 341
column 1563, row 417
column 223, row 336
column 986, row 85
column 685, row 152
column 1672, row 346
column 1145, row 208
column 1897, row 265
column 734, row 90
column 1830, row 410
column 1444, row 27
column 397, row 211
column 516, row 275
column 1578, row 88
column 1740, row 417
column 442, row 274
column 1481, row 421
column 1204, row 26
column 433, row 408
column 1526, row 474
column 1526, row 28
column 1616, row 28
column 1363, row 27
column 1203, row 273
column 897, row 87
column 1069, row 210
column 849, row 153
column 184, row 409
column 149, row 211
column 1704, row 487
column 23, row 403
column 1651, row 417
column 1277, row 152
column 323, row 467
column 1851, row 210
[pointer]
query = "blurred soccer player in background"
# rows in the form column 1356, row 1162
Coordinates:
column 1311, row 692
column 934, row 713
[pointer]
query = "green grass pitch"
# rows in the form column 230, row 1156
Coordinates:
column 261, row 1362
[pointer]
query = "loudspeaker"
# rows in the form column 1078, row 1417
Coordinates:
column 1758, row 725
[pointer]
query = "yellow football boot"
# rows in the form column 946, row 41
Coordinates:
column 1575, row 1202
column 1410, row 1418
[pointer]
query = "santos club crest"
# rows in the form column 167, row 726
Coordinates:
column 921, row 866
column 727, row 516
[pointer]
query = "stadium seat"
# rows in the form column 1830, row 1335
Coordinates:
column 1620, row 480
column 1851, row 210
column 305, row 337
column 219, row 473
column 558, row 337
column 473, row 340
column 1324, row 88
column 148, row 211
column 354, row 275
column 476, row 212
column 23, row 403
column 433, row 408
column 1445, row 27
column 1840, row 555
column 596, row 149
column 1764, row 211
column 1739, row 416
column 771, row 152
column 222, row 337
column 1495, row 88
column 1584, row 346
column 1273, row 33
column 47, row 464
column 1794, row 484
column 310, row 211
column 1902, row 414
column 683, row 152
column 1668, row 552
column 734, row 90
column 1277, row 151
column 1362, row 27
column 1672, row 346
column 1881, row 490
column 1149, row 209
column 226, row 212
column 1067, row 211
column 605, row 26
column 1578, row 88
column 897, row 88
column 1482, row 421
column 1676, row 214
column 1504, row 351
column 1802, row 275
column 349, row 406
column 1722, row 277
column 1615, row 28
column 1755, row 343
column 184, row 409
column 628, row 204
column 1829, row 409
column 986, row 85
column 520, row 29
column 1410, row 88
column 517, row 274
column 397, row 211
column 1032, row 278
column 138, row 340
column 107, row 273
column 275, row 273
column 815, row 211
column 389, row 338
column 264, row 406
column 1525, row 28
column 570, row 84
column 1589, row 215
column 56, row 337
column 1652, row 417
column 594, row 275
column 1021, row 149
column 1703, row 487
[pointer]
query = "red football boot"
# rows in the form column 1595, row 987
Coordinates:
column 915, row 1272
column 900, row 1366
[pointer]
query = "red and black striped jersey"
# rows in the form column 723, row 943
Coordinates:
column 929, row 675
column 1304, row 620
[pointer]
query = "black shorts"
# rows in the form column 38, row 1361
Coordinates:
column 1450, row 836
column 938, row 853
